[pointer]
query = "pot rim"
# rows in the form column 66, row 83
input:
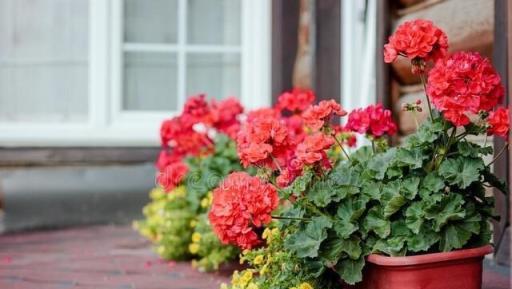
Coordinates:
column 430, row 258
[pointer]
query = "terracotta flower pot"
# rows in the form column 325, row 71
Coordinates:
column 449, row 270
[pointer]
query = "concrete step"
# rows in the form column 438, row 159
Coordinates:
column 51, row 197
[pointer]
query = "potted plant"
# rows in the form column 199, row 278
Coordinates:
column 440, row 175
column 416, row 215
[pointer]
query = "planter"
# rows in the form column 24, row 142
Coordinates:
column 449, row 270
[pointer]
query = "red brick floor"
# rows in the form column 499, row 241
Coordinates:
column 95, row 258
column 108, row 257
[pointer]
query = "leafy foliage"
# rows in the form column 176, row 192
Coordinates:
column 275, row 267
column 173, row 219
column 426, row 196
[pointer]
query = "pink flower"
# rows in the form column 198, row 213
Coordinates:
column 373, row 120
column 465, row 83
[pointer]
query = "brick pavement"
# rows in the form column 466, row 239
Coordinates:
column 92, row 258
column 110, row 257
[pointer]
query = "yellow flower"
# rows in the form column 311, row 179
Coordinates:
column 305, row 285
column 252, row 286
column 266, row 233
column 258, row 260
column 193, row 224
column 196, row 237
column 246, row 278
column 193, row 248
column 205, row 203
column 160, row 250
column 235, row 280
column 264, row 269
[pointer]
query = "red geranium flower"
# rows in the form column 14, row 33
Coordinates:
column 225, row 114
column 317, row 115
column 465, row 83
column 196, row 110
column 172, row 175
column 373, row 120
column 264, row 141
column 241, row 204
column 312, row 149
column 296, row 100
column 499, row 122
column 416, row 39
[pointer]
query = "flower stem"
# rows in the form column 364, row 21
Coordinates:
column 290, row 218
column 341, row 146
column 276, row 163
column 498, row 155
column 424, row 82
column 373, row 147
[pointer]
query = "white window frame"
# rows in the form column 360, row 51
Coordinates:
column 107, row 124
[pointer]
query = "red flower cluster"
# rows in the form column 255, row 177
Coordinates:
column 373, row 120
column 263, row 141
column 181, row 136
column 499, row 122
column 416, row 39
column 312, row 149
column 317, row 116
column 241, row 204
column 296, row 100
column 224, row 115
column 465, row 83
column 172, row 175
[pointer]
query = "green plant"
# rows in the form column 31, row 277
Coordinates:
column 172, row 219
column 274, row 267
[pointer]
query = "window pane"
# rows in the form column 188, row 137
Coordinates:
column 151, row 21
column 150, row 81
column 217, row 75
column 214, row 21
column 44, row 60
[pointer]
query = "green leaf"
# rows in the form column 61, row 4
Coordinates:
column 306, row 243
column 372, row 190
column 449, row 209
column 410, row 187
column 422, row 240
column 413, row 158
column 414, row 216
column 352, row 209
column 469, row 149
column 344, row 228
column 461, row 171
column 350, row 270
column 351, row 247
column 376, row 222
column 299, row 185
column 393, row 246
column 321, row 193
column 331, row 251
column 379, row 163
column 391, row 198
column 432, row 183
column 453, row 236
